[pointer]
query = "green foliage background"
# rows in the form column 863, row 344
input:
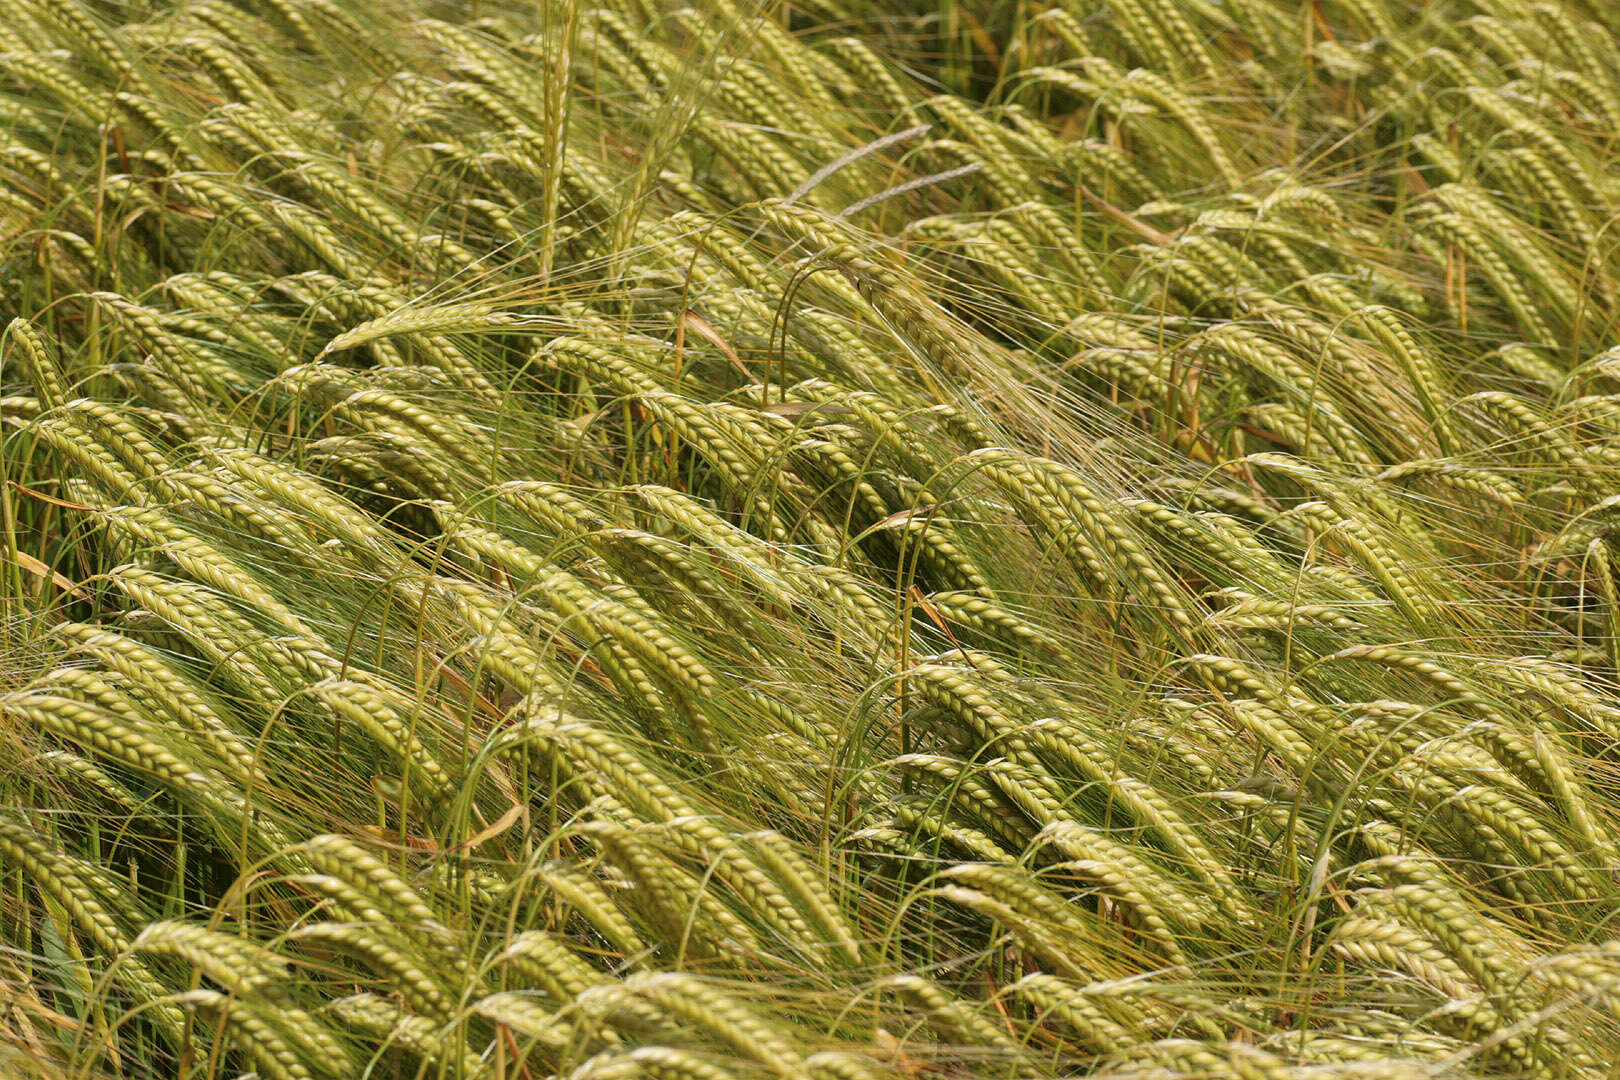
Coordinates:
column 840, row 541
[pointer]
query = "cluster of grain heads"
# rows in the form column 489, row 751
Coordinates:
column 550, row 540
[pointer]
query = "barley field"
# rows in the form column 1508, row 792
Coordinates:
column 833, row 540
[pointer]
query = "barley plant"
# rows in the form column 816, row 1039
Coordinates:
column 835, row 540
